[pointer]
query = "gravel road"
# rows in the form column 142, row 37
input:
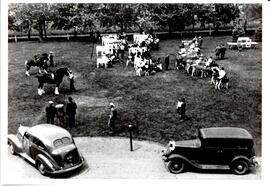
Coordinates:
column 111, row 158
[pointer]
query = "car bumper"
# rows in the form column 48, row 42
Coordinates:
column 61, row 171
column 253, row 162
column 164, row 156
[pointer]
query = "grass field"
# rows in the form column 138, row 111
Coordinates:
column 148, row 103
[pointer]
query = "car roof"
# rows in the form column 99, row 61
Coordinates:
column 48, row 133
column 225, row 132
column 243, row 38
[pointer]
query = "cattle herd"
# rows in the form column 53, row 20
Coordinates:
column 189, row 57
column 112, row 50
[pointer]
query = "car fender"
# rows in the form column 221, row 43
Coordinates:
column 241, row 158
column 17, row 145
column 47, row 163
column 186, row 160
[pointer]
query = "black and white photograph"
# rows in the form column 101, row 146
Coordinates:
column 132, row 91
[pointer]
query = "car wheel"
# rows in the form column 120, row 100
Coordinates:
column 176, row 166
column 41, row 167
column 239, row 167
column 11, row 148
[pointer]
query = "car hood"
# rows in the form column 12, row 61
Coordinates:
column 194, row 143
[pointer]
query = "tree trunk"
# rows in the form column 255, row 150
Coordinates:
column 193, row 26
column 170, row 29
column 44, row 28
column 40, row 32
column 75, row 32
column 29, row 29
column 141, row 30
column 122, row 27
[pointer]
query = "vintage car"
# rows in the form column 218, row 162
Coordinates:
column 242, row 42
column 215, row 148
column 50, row 148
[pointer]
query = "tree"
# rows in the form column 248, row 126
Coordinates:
column 74, row 16
column 222, row 14
column 170, row 15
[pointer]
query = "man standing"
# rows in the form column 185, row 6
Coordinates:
column 72, row 87
column 223, row 51
column 60, row 114
column 218, row 51
column 71, row 111
column 112, row 117
column 50, row 112
column 181, row 108
column 51, row 59
column 167, row 61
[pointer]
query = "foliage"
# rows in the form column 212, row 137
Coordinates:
column 85, row 17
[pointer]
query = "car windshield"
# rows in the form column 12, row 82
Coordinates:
column 62, row 141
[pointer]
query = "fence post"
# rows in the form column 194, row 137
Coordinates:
column 130, row 137
column 67, row 36
column 15, row 38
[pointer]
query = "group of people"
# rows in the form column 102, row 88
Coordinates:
column 60, row 111
column 114, row 47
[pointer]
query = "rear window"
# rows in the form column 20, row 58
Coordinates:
column 62, row 141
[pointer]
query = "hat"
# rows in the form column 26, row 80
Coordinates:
column 50, row 102
column 51, row 52
column 111, row 104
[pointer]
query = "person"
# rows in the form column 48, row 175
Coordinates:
column 209, row 62
column 112, row 117
column 222, row 73
column 72, row 87
column 51, row 59
column 97, row 36
column 181, row 108
column 222, row 51
column 60, row 114
column 222, row 78
column 91, row 35
column 167, row 61
column 218, row 51
column 122, row 51
column 50, row 112
column 200, row 41
column 71, row 111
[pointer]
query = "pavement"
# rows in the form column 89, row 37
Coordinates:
column 111, row 158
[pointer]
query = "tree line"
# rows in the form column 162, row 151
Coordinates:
column 88, row 17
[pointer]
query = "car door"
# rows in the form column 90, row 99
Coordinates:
column 212, row 152
column 36, row 147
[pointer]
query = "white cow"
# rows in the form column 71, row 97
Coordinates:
column 139, row 38
column 103, row 61
column 135, row 50
column 103, row 50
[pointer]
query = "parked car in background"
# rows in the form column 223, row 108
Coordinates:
column 242, row 42
column 214, row 148
column 50, row 148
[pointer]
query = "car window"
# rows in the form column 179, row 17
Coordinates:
column 38, row 142
column 62, row 141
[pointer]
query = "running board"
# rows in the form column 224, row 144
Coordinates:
column 26, row 157
column 206, row 166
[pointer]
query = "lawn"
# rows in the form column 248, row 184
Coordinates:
column 148, row 103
